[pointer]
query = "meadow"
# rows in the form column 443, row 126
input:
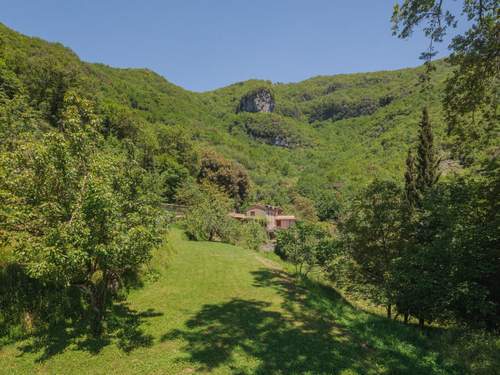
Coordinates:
column 215, row 308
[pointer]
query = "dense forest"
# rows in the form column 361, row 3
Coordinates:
column 393, row 176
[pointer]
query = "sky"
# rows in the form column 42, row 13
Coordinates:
column 206, row 44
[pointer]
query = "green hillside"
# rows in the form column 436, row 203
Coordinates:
column 338, row 131
column 215, row 308
column 97, row 164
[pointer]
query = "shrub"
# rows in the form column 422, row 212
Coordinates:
column 253, row 234
column 302, row 245
column 207, row 216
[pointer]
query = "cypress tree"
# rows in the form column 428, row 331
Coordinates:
column 427, row 163
column 416, row 270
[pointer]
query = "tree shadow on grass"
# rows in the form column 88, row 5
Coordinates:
column 123, row 327
column 315, row 332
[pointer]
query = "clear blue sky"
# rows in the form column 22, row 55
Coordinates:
column 205, row 44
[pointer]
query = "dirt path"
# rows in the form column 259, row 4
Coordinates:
column 269, row 263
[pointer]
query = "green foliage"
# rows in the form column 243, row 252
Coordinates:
column 206, row 218
column 328, row 205
column 411, row 192
column 137, row 104
column 427, row 162
column 228, row 176
column 302, row 245
column 252, row 234
column 245, row 317
column 327, row 139
column 471, row 94
column 449, row 264
column 372, row 242
column 272, row 129
column 332, row 110
column 413, row 285
column 435, row 261
column 75, row 208
column 304, row 208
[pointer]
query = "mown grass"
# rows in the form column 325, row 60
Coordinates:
column 216, row 308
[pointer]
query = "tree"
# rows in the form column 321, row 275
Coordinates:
column 304, row 207
column 411, row 192
column 371, row 235
column 229, row 176
column 449, row 264
column 77, row 213
column 427, row 162
column 471, row 96
column 328, row 205
column 301, row 245
column 206, row 218
column 411, row 284
column 253, row 234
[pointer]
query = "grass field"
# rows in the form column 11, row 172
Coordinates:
column 216, row 308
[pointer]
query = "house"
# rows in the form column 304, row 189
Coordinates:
column 272, row 215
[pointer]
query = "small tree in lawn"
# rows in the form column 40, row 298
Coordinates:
column 300, row 245
column 253, row 234
column 207, row 216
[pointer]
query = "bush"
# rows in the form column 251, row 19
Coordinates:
column 207, row 216
column 253, row 234
column 302, row 245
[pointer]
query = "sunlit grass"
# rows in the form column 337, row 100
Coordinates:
column 216, row 308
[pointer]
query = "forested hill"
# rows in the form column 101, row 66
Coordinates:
column 328, row 132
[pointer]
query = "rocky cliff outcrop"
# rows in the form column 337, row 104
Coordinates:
column 259, row 100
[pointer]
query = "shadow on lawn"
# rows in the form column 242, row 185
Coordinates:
column 123, row 326
column 317, row 332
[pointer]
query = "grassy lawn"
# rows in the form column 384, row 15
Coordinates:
column 216, row 308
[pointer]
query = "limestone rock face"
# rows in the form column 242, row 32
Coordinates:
column 260, row 100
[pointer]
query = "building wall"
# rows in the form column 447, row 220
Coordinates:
column 284, row 223
column 256, row 212
column 270, row 213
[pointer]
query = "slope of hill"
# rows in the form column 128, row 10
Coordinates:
column 210, row 307
column 329, row 131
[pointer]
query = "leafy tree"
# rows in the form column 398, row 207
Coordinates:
column 229, row 176
column 328, row 205
column 372, row 237
column 304, row 207
column 253, row 234
column 471, row 95
column 301, row 245
column 49, row 79
column 447, row 268
column 176, row 143
column 206, row 218
column 120, row 121
column 77, row 213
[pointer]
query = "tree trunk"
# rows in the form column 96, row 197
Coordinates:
column 389, row 311
column 421, row 323
column 98, row 305
column 405, row 317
